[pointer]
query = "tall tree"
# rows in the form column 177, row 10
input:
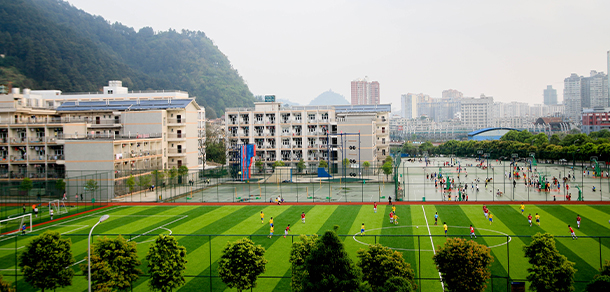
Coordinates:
column 379, row 264
column 299, row 251
column 387, row 168
column 464, row 264
column 131, row 183
column 550, row 270
column 323, row 163
column 166, row 264
column 241, row 263
column 114, row 264
column 26, row 185
column 60, row 185
column 44, row 261
column 301, row 165
column 143, row 181
column 329, row 267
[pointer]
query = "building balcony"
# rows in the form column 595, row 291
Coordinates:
column 33, row 158
column 176, row 122
column 54, row 157
column 36, row 140
column 18, row 158
column 176, row 152
column 18, row 140
column 176, row 137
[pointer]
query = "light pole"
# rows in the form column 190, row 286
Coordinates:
column 102, row 219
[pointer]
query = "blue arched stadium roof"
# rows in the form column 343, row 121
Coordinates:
column 474, row 133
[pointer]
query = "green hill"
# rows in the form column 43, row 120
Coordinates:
column 50, row 44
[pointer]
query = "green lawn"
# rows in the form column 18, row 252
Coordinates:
column 193, row 224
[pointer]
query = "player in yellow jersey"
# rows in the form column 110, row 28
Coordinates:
column 522, row 208
column 271, row 222
column 362, row 229
column 394, row 208
column 538, row 219
column 262, row 217
column 491, row 218
column 395, row 219
column 445, row 227
column 270, row 231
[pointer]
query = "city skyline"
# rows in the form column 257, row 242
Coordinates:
column 511, row 51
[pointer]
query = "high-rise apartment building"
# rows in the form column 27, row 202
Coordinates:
column 572, row 97
column 594, row 90
column 365, row 92
column 476, row 113
column 584, row 92
column 408, row 104
column 550, row 95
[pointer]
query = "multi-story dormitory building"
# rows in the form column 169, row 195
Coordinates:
column 49, row 134
column 305, row 132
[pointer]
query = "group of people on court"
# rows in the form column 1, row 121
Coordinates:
column 271, row 226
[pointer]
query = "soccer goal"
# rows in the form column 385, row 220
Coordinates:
column 13, row 225
column 59, row 207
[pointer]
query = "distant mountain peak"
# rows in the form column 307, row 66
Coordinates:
column 329, row 98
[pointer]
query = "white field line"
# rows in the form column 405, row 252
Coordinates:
column 432, row 242
column 63, row 222
column 162, row 226
column 79, row 228
column 150, row 240
column 12, row 248
column 168, row 223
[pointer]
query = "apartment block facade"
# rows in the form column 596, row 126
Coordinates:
column 365, row 92
column 311, row 133
column 49, row 135
column 477, row 113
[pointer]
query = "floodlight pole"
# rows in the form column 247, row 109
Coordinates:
column 102, row 219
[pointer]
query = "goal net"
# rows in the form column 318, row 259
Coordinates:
column 14, row 224
column 58, row 207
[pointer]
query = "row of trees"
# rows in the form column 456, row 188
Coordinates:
column 145, row 181
column 555, row 147
column 47, row 260
column 317, row 263
column 322, row 264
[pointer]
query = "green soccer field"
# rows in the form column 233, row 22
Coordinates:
column 205, row 230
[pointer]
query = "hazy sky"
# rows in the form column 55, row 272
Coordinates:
column 296, row 50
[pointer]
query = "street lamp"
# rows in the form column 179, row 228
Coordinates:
column 102, row 219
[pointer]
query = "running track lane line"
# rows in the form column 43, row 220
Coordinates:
column 433, row 250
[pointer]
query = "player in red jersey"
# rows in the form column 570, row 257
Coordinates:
column 303, row 217
column 472, row 232
column 375, row 207
column 572, row 232
column 286, row 230
column 529, row 219
column 578, row 221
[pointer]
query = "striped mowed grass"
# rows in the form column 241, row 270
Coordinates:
column 205, row 230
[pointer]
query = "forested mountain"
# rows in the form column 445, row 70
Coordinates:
column 49, row 44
